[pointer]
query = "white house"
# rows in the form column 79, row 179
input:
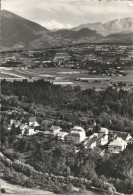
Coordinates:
column 33, row 122
column 17, row 124
column 53, row 131
column 104, row 131
column 117, row 145
column 22, row 128
column 29, row 131
column 76, row 135
column 12, row 121
column 61, row 135
column 103, row 140
column 47, row 133
column 92, row 143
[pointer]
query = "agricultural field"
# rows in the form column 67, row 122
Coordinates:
column 65, row 76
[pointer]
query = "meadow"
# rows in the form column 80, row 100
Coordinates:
column 65, row 76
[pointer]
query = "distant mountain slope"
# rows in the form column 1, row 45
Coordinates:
column 66, row 37
column 17, row 30
column 82, row 33
column 119, row 38
column 114, row 26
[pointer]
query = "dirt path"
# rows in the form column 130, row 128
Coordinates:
column 13, row 189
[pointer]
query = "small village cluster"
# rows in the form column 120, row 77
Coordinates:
column 114, row 142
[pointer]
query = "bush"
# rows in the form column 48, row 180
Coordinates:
column 3, row 191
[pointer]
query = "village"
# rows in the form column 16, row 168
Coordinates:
column 98, row 59
column 108, row 141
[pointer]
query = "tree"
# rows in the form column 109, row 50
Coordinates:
column 3, row 191
column 70, row 187
column 82, row 189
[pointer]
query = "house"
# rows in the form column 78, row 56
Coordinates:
column 90, row 129
column 17, row 124
column 92, row 143
column 125, row 136
column 22, row 128
column 103, row 131
column 53, row 131
column 47, row 133
column 29, row 131
column 117, row 145
column 61, row 135
column 102, row 137
column 76, row 135
column 12, row 121
column 103, row 140
column 33, row 122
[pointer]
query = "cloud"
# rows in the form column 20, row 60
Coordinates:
column 53, row 24
column 63, row 13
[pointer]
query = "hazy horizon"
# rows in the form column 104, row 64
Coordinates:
column 67, row 14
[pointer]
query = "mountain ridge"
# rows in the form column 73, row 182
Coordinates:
column 20, row 32
column 110, row 27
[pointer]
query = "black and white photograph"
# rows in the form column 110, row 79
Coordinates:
column 66, row 97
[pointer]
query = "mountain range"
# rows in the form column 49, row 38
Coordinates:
column 110, row 27
column 17, row 32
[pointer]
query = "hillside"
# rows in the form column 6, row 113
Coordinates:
column 19, row 190
column 17, row 30
column 119, row 38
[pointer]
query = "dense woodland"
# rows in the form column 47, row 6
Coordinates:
column 68, row 106
column 111, row 108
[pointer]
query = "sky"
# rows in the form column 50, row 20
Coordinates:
column 54, row 14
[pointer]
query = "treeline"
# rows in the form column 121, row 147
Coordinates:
column 111, row 108
column 45, row 93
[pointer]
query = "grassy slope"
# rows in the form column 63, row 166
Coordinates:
column 19, row 190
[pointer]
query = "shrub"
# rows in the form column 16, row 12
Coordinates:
column 3, row 191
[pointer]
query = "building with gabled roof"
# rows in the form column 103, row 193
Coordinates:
column 29, row 131
column 103, row 130
column 61, row 135
column 55, row 128
column 53, row 131
column 76, row 135
column 117, row 145
column 22, row 128
column 33, row 122
column 17, row 124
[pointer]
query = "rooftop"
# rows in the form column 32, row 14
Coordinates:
column 118, row 142
column 55, row 128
